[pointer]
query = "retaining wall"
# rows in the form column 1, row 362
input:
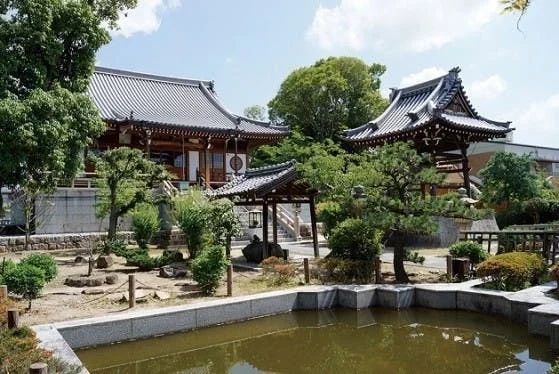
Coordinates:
column 542, row 319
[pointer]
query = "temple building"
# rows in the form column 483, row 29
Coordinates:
column 438, row 117
column 177, row 122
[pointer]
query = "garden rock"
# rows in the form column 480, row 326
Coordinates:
column 111, row 279
column 166, row 272
column 84, row 281
column 161, row 295
column 254, row 251
column 104, row 262
column 80, row 260
column 93, row 291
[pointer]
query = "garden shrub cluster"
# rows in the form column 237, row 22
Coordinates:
column 354, row 239
column 554, row 273
column 536, row 210
column 28, row 277
column 208, row 268
column 344, row 271
column 277, row 272
column 473, row 250
column 145, row 222
column 140, row 257
column 513, row 271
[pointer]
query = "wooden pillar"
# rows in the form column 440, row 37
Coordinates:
column 131, row 290
column 313, row 226
column 148, row 144
column 265, row 253
column 184, row 158
column 3, row 292
column 38, row 368
column 13, row 318
column 230, row 280
column 466, row 170
column 207, row 164
column 275, row 222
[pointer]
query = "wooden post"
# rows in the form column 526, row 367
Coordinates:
column 3, row 292
column 313, row 226
column 466, row 170
column 131, row 290
column 489, row 244
column 378, row 270
column 449, row 266
column 306, row 267
column 230, row 280
column 38, row 368
column 266, row 250
column 13, row 318
column 275, row 222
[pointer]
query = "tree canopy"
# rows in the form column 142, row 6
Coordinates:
column 508, row 177
column 257, row 112
column 48, row 54
column 334, row 94
column 125, row 180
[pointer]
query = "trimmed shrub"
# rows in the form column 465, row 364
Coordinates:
column 192, row 220
column 344, row 271
column 512, row 271
column 145, row 222
column 354, row 239
column 25, row 280
column 116, row 246
column 473, row 250
column 44, row 262
column 208, row 268
column 4, row 267
column 554, row 369
column 277, row 272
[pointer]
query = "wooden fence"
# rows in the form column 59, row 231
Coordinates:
column 544, row 241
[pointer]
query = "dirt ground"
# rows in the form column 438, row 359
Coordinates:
column 59, row 302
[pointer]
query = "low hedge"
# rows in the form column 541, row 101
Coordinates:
column 344, row 271
column 473, row 250
column 513, row 271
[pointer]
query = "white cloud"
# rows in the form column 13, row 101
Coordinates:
column 418, row 25
column 539, row 124
column 422, row 76
column 145, row 18
column 228, row 60
column 487, row 89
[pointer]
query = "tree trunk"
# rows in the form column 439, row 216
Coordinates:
column 2, row 212
column 399, row 255
column 113, row 219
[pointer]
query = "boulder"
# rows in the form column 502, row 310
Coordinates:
column 166, row 272
column 104, row 262
column 84, row 281
column 162, row 295
column 93, row 291
column 111, row 279
column 254, row 251
column 80, row 260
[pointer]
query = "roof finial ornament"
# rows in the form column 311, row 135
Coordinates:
column 131, row 115
column 392, row 94
column 453, row 73
column 211, row 86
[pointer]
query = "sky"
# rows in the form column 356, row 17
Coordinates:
column 248, row 47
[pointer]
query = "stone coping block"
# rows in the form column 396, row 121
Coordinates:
column 542, row 319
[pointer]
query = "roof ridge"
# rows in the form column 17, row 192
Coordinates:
column 152, row 77
column 210, row 95
column 271, row 168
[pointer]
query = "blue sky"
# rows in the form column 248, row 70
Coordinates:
column 248, row 47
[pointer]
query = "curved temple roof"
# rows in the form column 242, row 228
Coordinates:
column 164, row 102
column 259, row 181
column 442, row 100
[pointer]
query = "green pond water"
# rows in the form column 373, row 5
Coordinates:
column 337, row 341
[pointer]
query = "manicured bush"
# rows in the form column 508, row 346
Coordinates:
column 44, row 262
column 277, row 272
column 4, row 267
column 554, row 369
column 25, row 280
column 473, row 250
column 208, row 268
column 116, row 246
column 413, row 257
column 512, row 271
column 145, row 222
column 354, row 239
column 192, row 218
column 344, row 271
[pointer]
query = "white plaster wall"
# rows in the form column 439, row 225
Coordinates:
column 193, row 164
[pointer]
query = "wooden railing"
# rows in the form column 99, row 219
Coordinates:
column 544, row 241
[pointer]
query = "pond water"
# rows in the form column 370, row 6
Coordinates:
column 338, row 341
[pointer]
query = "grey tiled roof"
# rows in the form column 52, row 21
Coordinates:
column 414, row 107
column 259, row 181
column 156, row 101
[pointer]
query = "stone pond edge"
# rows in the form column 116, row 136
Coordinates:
column 530, row 306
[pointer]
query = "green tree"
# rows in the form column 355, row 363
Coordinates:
column 224, row 223
column 125, row 180
column 332, row 95
column 256, row 112
column 48, row 53
column 25, row 280
column 508, row 177
column 192, row 213
column 145, row 222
